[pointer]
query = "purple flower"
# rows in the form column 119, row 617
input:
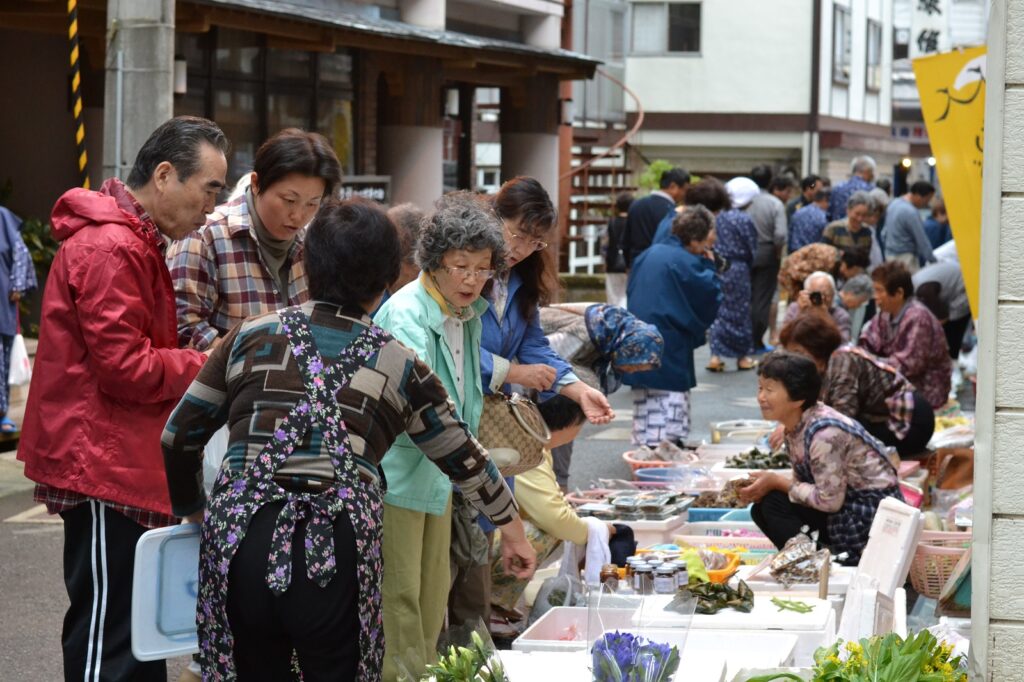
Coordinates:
column 232, row 538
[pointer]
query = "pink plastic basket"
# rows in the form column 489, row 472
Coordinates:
column 936, row 556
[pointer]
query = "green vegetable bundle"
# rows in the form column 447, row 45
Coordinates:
column 713, row 597
column 474, row 663
column 920, row 658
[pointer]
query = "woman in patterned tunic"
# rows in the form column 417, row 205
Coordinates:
column 840, row 472
column 731, row 334
column 314, row 396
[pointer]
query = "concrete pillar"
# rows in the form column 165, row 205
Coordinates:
column 425, row 13
column 410, row 143
column 529, row 133
column 142, row 31
column 542, row 30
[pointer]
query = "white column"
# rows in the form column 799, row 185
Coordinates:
column 532, row 154
column 414, row 157
column 143, row 31
column 425, row 13
column 542, row 30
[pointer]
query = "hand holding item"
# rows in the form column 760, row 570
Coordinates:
column 763, row 483
column 517, row 554
column 537, row 377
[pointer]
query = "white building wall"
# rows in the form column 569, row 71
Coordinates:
column 853, row 100
column 754, row 58
column 967, row 20
column 997, row 569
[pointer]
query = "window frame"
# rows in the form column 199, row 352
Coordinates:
column 664, row 49
column 838, row 77
column 874, row 30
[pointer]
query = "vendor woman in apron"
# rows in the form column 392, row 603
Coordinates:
column 314, row 395
column 840, row 472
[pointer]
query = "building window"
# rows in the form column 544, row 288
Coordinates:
column 842, row 44
column 873, row 75
column 253, row 90
column 618, row 37
column 900, row 43
column 660, row 27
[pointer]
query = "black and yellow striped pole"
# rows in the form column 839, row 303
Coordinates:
column 76, row 92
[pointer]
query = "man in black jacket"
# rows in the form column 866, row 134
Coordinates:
column 645, row 214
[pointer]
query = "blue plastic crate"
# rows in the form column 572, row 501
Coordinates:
column 695, row 514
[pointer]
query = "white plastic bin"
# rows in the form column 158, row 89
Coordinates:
column 164, row 592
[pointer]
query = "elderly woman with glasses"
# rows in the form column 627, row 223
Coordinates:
column 438, row 316
column 514, row 349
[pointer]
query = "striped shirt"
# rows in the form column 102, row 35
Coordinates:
column 220, row 277
column 252, row 382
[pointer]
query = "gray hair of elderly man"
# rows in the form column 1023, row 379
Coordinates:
column 461, row 221
column 820, row 274
column 861, row 164
column 862, row 199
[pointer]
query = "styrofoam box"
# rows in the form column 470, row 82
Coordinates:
column 655, row 532
column 813, row 629
column 164, row 592
column 719, row 470
column 761, row 649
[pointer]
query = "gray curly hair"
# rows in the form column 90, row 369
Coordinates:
column 461, row 220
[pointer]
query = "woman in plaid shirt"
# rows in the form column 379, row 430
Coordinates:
column 247, row 259
column 840, row 471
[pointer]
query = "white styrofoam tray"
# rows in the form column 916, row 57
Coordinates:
column 719, row 470
column 164, row 592
column 521, row 666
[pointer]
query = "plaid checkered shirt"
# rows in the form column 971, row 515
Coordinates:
column 863, row 386
column 220, row 277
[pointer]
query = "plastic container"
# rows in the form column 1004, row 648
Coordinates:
column 695, row 514
column 738, row 515
column 740, row 430
column 936, row 556
column 164, row 593
column 722, row 575
column 738, row 529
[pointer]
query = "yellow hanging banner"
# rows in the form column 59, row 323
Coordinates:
column 952, row 90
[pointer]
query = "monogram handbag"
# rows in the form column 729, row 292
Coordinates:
column 514, row 433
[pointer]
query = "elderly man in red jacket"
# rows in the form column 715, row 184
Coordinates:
column 107, row 375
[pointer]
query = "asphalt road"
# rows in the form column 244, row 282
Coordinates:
column 32, row 595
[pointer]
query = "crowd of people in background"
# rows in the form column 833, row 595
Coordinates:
column 342, row 354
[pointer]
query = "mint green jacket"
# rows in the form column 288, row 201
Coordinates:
column 415, row 319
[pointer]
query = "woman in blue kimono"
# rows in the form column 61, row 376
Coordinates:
column 17, row 276
column 731, row 334
column 678, row 291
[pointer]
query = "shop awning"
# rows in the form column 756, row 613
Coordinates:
column 336, row 29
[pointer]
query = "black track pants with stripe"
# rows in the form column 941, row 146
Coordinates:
column 99, row 555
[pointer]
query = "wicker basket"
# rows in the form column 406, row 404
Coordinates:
column 936, row 556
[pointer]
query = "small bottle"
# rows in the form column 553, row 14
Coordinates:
column 610, row 577
column 643, row 579
column 655, row 561
column 682, row 577
column 631, row 563
column 665, row 579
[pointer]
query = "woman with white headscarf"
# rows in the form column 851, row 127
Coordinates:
column 731, row 334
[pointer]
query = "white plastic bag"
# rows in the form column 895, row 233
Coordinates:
column 20, row 368
column 213, row 455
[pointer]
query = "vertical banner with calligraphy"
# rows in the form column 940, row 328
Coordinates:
column 952, row 90
column 929, row 28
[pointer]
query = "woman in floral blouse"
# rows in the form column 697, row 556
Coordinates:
column 861, row 385
column 314, row 396
column 907, row 335
column 840, row 472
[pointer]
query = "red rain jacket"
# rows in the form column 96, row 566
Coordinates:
column 107, row 371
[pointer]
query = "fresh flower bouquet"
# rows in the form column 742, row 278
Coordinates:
column 623, row 657
column 919, row 658
column 477, row 662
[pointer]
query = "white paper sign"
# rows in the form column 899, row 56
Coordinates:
column 929, row 28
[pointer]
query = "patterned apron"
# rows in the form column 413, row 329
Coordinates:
column 237, row 496
column 848, row 528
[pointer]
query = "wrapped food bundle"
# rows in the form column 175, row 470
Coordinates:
column 727, row 498
column 799, row 561
column 759, row 459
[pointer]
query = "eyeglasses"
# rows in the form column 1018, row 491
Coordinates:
column 534, row 244
column 465, row 273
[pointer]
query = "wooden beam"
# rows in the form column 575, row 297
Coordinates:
column 325, row 44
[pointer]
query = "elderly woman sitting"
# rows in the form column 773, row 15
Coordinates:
column 819, row 292
column 840, row 472
column 862, row 386
column 907, row 335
